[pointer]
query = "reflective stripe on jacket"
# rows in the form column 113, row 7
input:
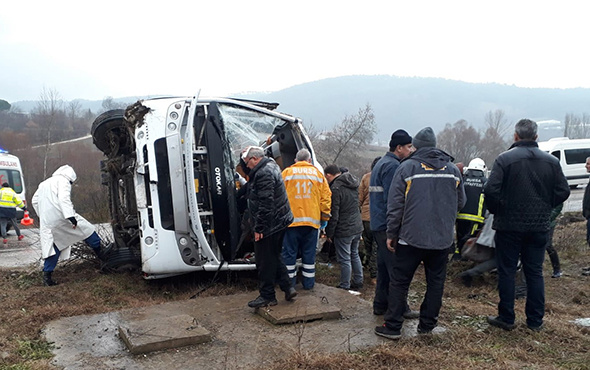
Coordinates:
column 8, row 198
column 379, row 184
column 309, row 194
column 474, row 209
column 426, row 194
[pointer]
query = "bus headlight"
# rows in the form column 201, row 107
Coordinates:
column 149, row 240
column 172, row 126
column 183, row 241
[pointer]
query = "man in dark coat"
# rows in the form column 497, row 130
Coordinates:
column 524, row 186
column 271, row 215
column 400, row 147
column 425, row 195
column 345, row 226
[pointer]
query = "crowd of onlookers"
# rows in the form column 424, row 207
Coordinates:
column 416, row 206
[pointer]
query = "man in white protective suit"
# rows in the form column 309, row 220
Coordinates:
column 60, row 225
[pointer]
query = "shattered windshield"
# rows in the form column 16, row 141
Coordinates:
column 244, row 127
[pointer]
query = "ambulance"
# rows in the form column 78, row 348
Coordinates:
column 12, row 173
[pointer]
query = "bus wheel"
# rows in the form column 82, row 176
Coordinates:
column 110, row 133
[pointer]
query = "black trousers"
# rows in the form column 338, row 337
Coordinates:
column 271, row 269
column 406, row 261
column 465, row 229
column 370, row 260
column 553, row 256
column 384, row 271
column 530, row 248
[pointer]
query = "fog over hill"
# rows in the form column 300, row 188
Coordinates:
column 412, row 103
column 409, row 102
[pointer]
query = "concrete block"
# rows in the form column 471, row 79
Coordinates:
column 303, row 309
column 156, row 334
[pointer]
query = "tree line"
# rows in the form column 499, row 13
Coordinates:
column 349, row 143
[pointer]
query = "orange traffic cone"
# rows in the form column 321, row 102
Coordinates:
column 26, row 221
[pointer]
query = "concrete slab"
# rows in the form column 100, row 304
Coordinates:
column 240, row 337
column 159, row 333
column 304, row 308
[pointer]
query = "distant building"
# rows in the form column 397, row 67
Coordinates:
column 549, row 129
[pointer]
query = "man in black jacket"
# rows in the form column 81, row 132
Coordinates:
column 271, row 215
column 345, row 226
column 524, row 186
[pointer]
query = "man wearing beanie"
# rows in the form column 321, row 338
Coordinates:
column 400, row 147
column 426, row 194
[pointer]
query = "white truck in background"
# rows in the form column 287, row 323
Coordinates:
column 572, row 154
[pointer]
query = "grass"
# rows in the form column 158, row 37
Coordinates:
column 469, row 342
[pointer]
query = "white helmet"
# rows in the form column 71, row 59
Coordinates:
column 477, row 164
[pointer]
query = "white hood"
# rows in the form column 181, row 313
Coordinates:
column 66, row 171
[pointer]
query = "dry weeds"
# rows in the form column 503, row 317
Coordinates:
column 469, row 343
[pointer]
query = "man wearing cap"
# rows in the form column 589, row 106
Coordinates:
column 271, row 215
column 400, row 147
column 426, row 194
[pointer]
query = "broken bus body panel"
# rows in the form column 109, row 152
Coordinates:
column 171, row 173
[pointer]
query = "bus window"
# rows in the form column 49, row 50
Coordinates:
column 556, row 154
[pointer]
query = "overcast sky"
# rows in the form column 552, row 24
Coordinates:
column 91, row 50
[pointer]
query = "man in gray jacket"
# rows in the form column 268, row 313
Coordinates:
column 425, row 194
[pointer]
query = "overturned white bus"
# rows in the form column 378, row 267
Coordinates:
column 171, row 174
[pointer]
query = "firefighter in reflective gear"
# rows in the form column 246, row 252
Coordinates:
column 310, row 200
column 471, row 217
column 8, row 201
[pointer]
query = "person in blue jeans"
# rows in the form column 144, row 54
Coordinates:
column 345, row 226
column 525, row 185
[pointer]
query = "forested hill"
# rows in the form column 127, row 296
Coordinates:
column 412, row 102
column 407, row 102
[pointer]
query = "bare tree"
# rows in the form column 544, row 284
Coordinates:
column 497, row 121
column 460, row 140
column 577, row 127
column 495, row 138
column 47, row 113
column 108, row 103
column 343, row 143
